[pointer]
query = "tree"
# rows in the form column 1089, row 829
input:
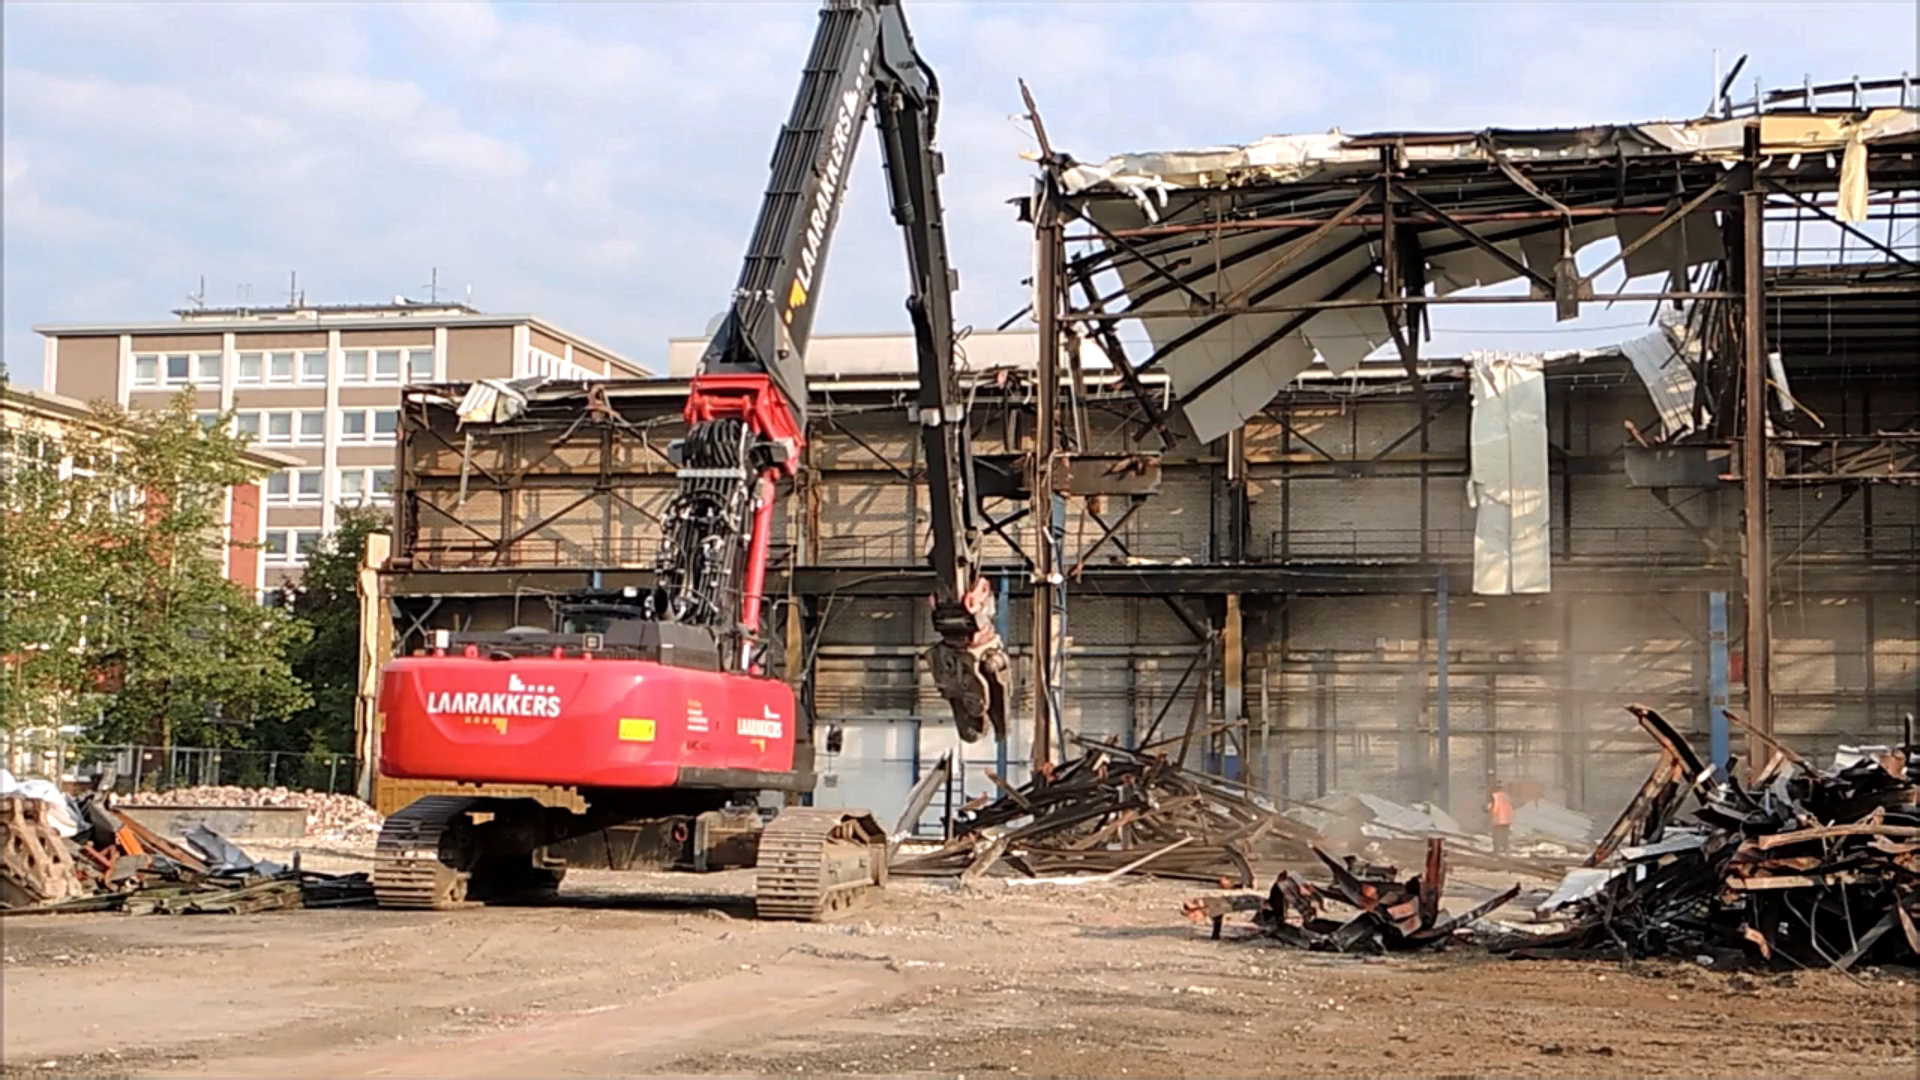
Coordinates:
column 51, row 585
column 186, row 655
column 328, row 602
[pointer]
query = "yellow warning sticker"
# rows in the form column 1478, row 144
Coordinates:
column 632, row 730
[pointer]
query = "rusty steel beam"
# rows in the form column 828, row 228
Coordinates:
column 1669, row 221
column 1116, row 352
column 1296, row 247
column 1758, row 562
column 1452, row 299
column 1290, row 326
column 1106, row 534
column 1519, row 268
column 1373, row 220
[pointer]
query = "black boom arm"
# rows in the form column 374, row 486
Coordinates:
column 863, row 58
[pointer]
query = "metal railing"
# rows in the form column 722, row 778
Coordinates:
column 1794, row 543
column 154, row 768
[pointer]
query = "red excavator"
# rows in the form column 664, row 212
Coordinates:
column 656, row 704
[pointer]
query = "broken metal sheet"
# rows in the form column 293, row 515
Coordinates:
column 1782, row 133
column 1580, row 883
column 495, row 401
column 1693, row 241
column 1507, row 487
column 1658, row 359
column 1675, row 840
column 1553, row 821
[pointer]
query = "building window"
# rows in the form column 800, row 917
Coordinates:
column 250, row 368
column 313, row 427
column 280, row 367
column 289, row 547
column 178, row 369
column 208, row 420
column 360, row 487
column 247, row 423
column 313, row 367
column 309, row 485
column 542, row 362
column 369, row 425
column 386, row 365
column 279, row 427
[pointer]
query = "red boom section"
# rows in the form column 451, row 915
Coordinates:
column 753, row 399
column 758, row 403
column 577, row 722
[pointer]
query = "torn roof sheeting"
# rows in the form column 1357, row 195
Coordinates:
column 1616, row 181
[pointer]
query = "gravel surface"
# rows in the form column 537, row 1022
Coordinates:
column 632, row 974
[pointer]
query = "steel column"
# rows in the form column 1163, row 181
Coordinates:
column 1442, row 728
column 1050, row 240
column 1717, row 680
column 1001, row 626
column 1753, row 477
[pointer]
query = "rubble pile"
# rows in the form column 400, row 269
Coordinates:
column 1390, row 915
column 340, row 818
column 1820, row 867
column 1112, row 812
column 64, row 855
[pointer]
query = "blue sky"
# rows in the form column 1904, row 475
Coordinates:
column 601, row 164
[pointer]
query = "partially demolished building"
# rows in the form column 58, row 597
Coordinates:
column 1222, row 523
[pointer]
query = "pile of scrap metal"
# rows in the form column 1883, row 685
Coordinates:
column 64, row 855
column 1804, row 866
column 1112, row 812
column 1390, row 915
column 1374, row 828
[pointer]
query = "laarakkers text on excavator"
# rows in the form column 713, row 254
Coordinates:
column 658, row 708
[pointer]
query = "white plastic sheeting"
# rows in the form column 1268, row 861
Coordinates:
column 1507, row 484
column 59, row 812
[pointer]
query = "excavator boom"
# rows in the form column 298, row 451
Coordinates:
column 747, row 406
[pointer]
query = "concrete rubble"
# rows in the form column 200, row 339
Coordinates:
column 340, row 818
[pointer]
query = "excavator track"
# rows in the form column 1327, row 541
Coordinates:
column 409, row 867
column 818, row 864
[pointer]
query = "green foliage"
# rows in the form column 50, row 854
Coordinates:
column 328, row 602
column 122, row 562
column 50, row 587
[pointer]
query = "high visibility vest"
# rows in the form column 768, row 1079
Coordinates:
column 1502, row 809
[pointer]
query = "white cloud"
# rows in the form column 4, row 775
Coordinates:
column 603, row 164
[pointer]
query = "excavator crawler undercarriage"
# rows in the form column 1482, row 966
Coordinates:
column 445, row 851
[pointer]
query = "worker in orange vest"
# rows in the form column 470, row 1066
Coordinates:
column 1500, row 813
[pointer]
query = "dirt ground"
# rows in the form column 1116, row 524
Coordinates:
column 655, row 974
